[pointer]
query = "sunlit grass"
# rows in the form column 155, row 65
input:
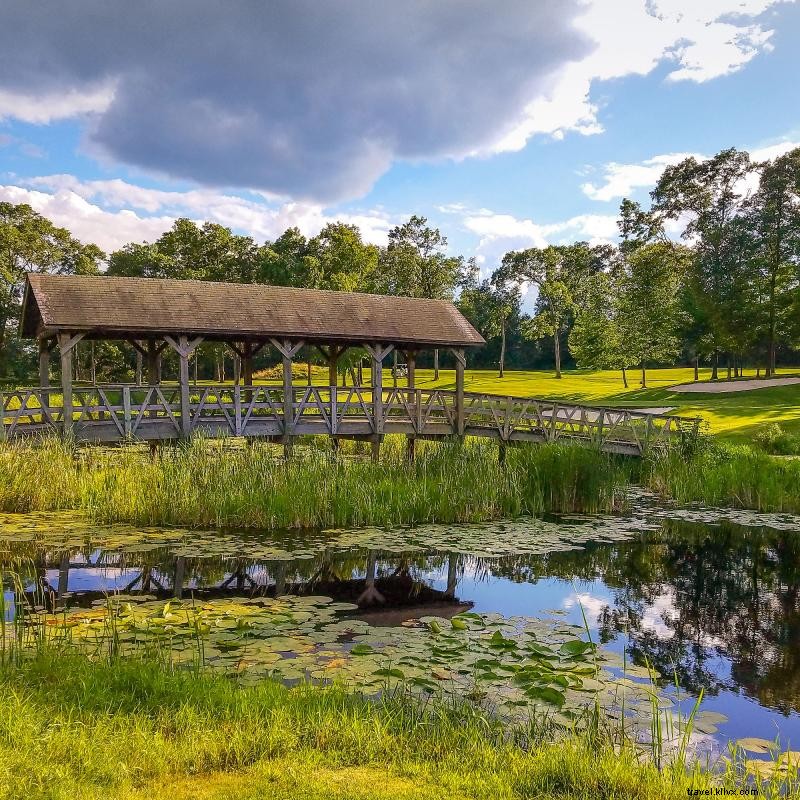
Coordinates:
column 216, row 483
column 71, row 728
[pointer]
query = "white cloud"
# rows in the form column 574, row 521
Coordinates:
column 45, row 107
column 316, row 101
column 111, row 213
column 704, row 40
column 500, row 233
column 621, row 180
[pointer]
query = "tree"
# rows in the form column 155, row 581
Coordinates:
column 489, row 306
column 343, row 261
column 415, row 264
column 560, row 274
column 648, row 310
column 595, row 339
column 30, row 242
column 774, row 216
column 711, row 196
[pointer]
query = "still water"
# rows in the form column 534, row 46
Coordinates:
column 712, row 603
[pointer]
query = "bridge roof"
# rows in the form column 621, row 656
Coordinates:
column 131, row 308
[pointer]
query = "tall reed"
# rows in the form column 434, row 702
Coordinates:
column 210, row 482
column 735, row 476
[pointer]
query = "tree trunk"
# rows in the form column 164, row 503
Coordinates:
column 644, row 374
column 715, row 366
column 624, row 378
column 729, row 366
column 436, row 364
column 502, row 347
column 696, row 368
column 557, row 350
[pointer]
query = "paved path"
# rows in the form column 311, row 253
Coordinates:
column 719, row 387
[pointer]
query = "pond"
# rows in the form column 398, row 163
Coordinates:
column 710, row 599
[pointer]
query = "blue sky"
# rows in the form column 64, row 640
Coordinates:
column 507, row 126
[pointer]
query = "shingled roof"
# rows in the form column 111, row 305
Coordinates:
column 119, row 308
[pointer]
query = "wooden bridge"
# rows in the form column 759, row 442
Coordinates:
column 175, row 317
column 119, row 413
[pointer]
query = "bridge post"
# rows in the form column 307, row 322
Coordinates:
column 288, row 350
column 45, row 347
column 461, row 363
column 66, row 344
column 378, row 353
column 184, row 347
column 411, row 380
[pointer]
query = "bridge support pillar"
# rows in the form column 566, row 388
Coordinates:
column 66, row 344
column 184, row 347
column 378, row 353
column 411, row 381
column 45, row 348
column 288, row 350
column 461, row 363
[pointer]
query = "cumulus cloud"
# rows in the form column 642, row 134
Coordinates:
column 699, row 40
column 111, row 213
column 500, row 233
column 307, row 99
column 316, row 100
column 621, row 180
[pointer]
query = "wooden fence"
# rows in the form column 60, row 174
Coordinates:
column 151, row 413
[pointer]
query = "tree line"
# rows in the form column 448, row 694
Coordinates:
column 708, row 272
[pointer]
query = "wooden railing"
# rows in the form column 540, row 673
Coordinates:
column 120, row 412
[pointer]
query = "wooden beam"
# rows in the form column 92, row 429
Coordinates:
column 378, row 353
column 184, row 347
column 66, row 344
column 138, row 348
column 44, row 376
column 461, row 363
column 287, row 349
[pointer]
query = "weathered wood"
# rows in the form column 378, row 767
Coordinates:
column 184, row 347
column 461, row 363
column 66, row 344
column 423, row 413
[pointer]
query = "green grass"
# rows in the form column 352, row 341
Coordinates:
column 75, row 729
column 735, row 416
column 734, row 476
column 216, row 483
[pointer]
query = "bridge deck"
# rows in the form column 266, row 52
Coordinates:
column 113, row 414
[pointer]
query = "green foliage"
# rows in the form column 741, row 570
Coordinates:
column 135, row 729
column 727, row 475
column 31, row 243
column 194, row 485
column 773, row 439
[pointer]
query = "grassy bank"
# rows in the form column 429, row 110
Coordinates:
column 733, row 416
column 214, row 483
column 71, row 728
column 734, row 476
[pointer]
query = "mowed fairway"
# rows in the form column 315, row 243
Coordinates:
column 734, row 415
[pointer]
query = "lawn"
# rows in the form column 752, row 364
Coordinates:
column 734, row 415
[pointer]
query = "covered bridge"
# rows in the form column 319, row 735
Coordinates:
column 153, row 314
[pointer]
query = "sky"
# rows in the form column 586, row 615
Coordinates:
column 507, row 125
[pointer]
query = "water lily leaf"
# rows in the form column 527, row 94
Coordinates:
column 753, row 744
column 575, row 647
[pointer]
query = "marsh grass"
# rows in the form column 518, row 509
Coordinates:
column 217, row 483
column 72, row 727
column 735, row 476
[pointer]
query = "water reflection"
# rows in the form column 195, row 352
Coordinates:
column 714, row 605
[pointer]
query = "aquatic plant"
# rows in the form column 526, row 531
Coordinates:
column 217, row 483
